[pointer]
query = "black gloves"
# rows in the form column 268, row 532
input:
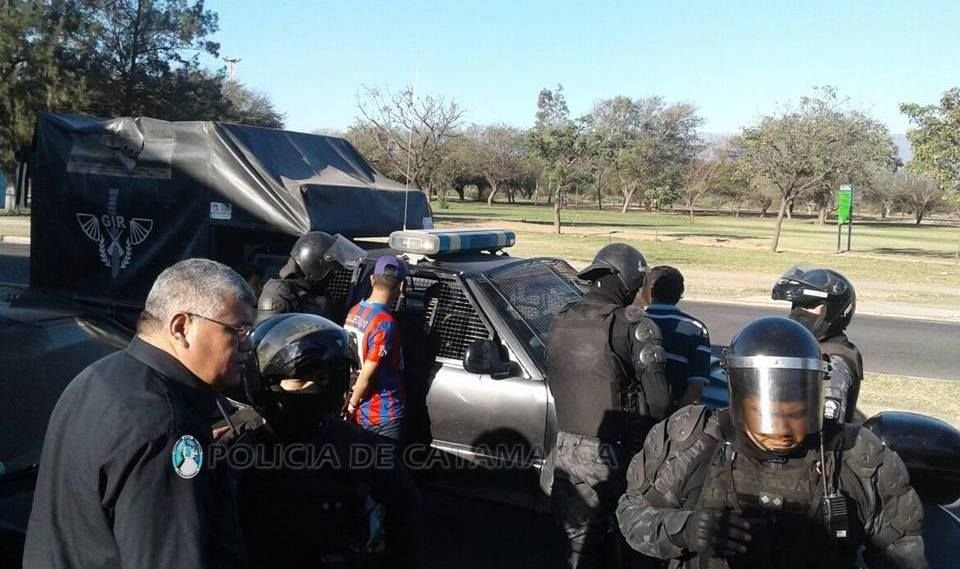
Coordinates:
column 716, row 533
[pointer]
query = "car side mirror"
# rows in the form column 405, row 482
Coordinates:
column 929, row 447
column 488, row 357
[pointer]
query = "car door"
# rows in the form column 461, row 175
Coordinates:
column 472, row 414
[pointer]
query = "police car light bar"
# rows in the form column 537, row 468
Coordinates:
column 431, row 242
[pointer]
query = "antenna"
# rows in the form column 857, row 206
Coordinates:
column 231, row 67
column 406, row 177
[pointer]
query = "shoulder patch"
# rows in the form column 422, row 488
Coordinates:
column 187, row 457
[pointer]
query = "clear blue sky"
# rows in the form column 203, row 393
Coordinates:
column 734, row 60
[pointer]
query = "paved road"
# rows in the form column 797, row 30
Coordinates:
column 889, row 345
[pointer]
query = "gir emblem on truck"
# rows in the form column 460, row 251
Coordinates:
column 108, row 231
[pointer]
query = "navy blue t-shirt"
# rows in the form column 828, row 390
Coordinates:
column 687, row 343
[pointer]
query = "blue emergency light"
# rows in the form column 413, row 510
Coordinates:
column 430, row 242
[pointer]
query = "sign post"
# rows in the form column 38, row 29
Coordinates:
column 844, row 213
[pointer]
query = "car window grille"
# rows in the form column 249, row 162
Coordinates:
column 535, row 292
column 339, row 286
column 455, row 320
column 566, row 270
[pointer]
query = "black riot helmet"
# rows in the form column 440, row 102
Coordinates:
column 776, row 379
column 807, row 287
column 317, row 254
column 619, row 259
column 313, row 352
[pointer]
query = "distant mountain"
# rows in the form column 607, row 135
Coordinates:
column 904, row 151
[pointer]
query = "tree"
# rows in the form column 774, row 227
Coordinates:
column 106, row 58
column 558, row 141
column 251, row 107
column 408, row 133
column 40, row 65
column 803, row 149
column 935, row 139
column 881, row 191
column 138, row 45
column 499, row 152
column 730, row 185
column 920, row 194
column 646, row 144
column 711, row 172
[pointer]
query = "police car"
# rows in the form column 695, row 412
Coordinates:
column 475, row 323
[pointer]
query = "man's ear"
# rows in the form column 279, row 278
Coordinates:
column 177, row 328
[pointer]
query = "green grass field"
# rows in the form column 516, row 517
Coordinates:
column 894, row 261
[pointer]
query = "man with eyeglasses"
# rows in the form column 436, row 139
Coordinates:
column 125, row 478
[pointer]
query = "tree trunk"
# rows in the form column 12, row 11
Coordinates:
column 493, row 192
column 599, row 190
column 775, row 244
column 691, row 213
column 822, row 215
column 556, row 212
column 460, row 190
column 549, row 192
column 131, row 70
column 789, row 212
column 736, row 212
column 627, row 199
column 918, row 215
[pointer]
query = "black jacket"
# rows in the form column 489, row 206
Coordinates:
column 606, row 368
column 673, row 476
column 108, row 493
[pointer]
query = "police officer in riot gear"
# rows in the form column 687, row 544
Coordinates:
column 301, row 373
column 766, row 483
column 824, row 301
column 605, row 365
column 298, row 513
column 302, row 286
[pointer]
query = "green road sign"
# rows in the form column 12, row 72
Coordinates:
column 845, row 204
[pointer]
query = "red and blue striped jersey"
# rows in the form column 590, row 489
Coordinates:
column 378, row 338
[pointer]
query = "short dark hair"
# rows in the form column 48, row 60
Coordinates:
column 386, row 281
column 666, row 284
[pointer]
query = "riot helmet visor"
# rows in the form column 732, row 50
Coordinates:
column 806, row 285
column 777, row 400
column 345, row 252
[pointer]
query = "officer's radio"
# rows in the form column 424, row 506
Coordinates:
column 837, row 516
column 836, row 510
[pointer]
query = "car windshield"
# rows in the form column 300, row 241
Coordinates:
column 528, row 295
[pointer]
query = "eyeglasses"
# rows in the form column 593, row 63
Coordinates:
column 242, row 332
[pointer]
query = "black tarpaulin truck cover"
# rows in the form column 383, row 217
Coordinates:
column 116, row 201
